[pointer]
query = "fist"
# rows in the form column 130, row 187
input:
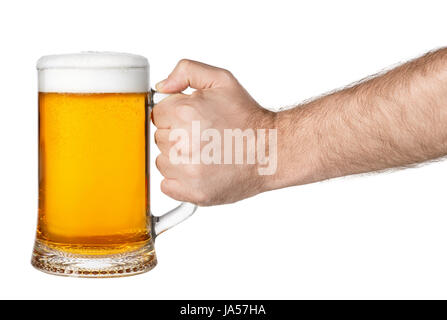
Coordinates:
column 196, row 160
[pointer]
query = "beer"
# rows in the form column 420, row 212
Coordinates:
column 93, row 173
column 94, row 216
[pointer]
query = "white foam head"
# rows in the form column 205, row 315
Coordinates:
column 93, row 72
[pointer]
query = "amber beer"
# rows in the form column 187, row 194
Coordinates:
column 94, row 211
column 93, row 195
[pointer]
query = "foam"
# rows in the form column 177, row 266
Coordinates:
column 93, row 72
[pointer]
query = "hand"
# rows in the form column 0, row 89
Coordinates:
column 219, row 102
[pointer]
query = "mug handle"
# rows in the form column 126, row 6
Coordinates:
column 173, row 217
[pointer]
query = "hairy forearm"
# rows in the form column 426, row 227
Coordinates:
column 395, row 119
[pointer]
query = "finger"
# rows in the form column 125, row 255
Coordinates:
column 166, row 168
column 161, row 137
column 174, row 189
column 197, row 75
column 163, row 112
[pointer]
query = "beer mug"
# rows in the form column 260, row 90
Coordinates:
column 94, row 207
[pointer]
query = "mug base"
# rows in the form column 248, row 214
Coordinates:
column 57, row 262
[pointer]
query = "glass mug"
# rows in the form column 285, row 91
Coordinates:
column 94, row 207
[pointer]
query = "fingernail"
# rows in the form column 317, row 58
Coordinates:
column 159, row 86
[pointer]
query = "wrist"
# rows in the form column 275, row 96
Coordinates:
column 263, row 122
column 297, row 152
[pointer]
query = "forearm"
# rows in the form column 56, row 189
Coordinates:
column 392, row 120
column 395, row 119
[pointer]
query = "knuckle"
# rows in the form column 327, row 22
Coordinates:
column 187, row 112
column 200, row 198
column 197, row 94
column 186, row 105
column 192, row 170
column 227, row 75
column 184, row 64
column 164, row 188
column 160, row 116
column 157, row 136
column 171, row 190
column 155, row 113
column 157, row 162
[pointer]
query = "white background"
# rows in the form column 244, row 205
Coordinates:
column 373, row 236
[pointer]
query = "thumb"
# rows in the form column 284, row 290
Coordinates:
column 197, row 75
